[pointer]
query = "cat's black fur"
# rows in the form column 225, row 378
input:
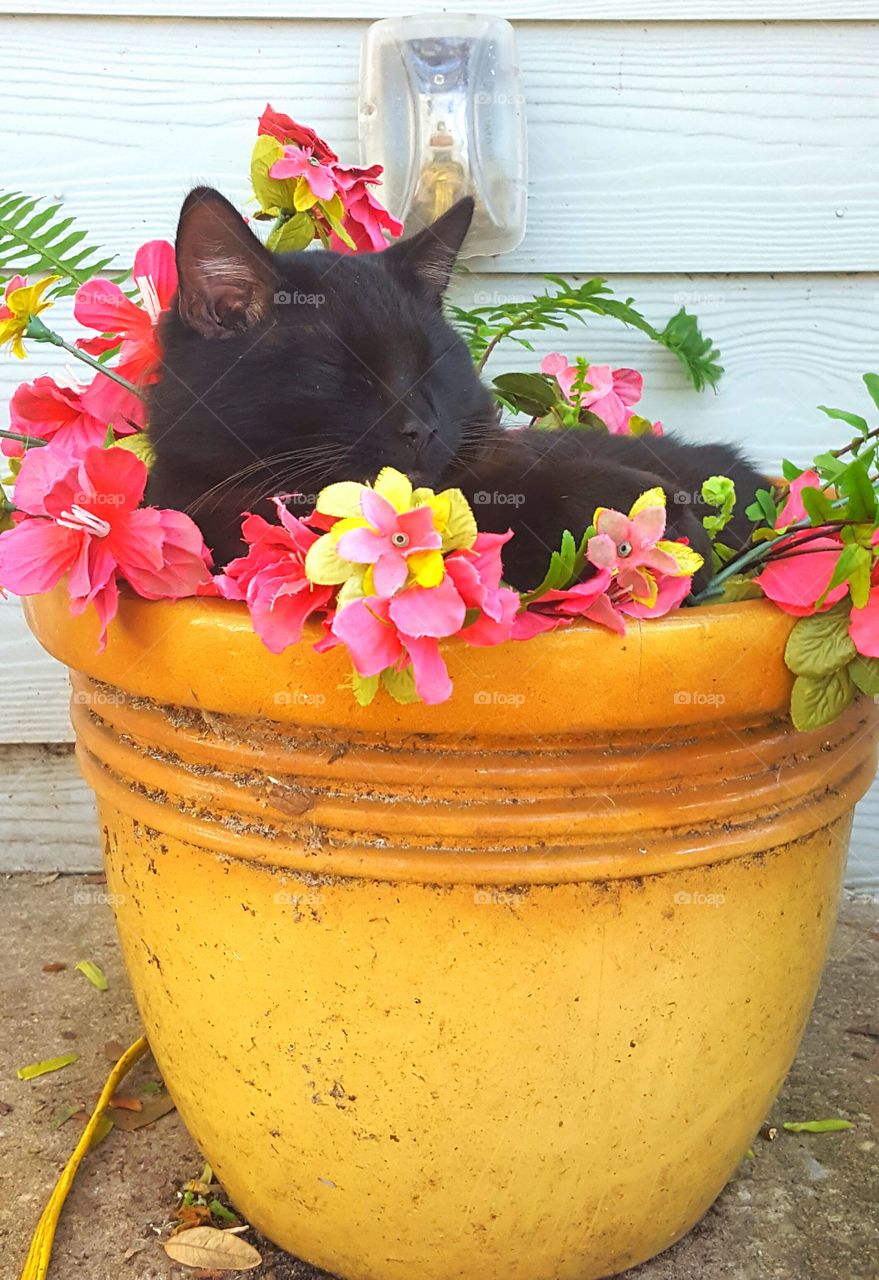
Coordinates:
column 285, row 372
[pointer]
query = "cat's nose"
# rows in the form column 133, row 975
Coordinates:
column 414, row 433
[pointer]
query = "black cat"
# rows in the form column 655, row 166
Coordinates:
column 285, row 372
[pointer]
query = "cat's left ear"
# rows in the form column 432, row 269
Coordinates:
column 226, row 278
column 426, row 259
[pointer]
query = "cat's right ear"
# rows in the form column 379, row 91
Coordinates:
column 226, row 279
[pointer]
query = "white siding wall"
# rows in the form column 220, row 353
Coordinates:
column 718, row 153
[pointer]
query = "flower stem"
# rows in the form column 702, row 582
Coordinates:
column 42, row 333
column 28, row 441
column 764, row 551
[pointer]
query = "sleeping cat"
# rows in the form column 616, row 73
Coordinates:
column 285, row 372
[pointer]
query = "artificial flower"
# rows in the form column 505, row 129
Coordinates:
column 589, row 599
column 864, row 626
column 285, row 129
column 793, row 510
column 366, row 219
column 555, row 365
column 316, row 180
column 101, row 304
column 387, row 534
column 81, row 517
column 633, row 550
column 45, row 410
column 799, row 576
column 22, row 302
column 271, row 579
column 476, row 573
column 609, row 395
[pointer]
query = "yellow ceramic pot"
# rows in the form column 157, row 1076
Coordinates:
column 496, row 990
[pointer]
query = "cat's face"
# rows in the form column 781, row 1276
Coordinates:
column 286, row 372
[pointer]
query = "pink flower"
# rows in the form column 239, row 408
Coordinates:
column 405, row 630
column 80, row 517
column 553, row 609
column 278, row 125
column 797, row 581
column 630, row 546
column 611, row 395
column 271, row 578
column 366, row 219
column 47, row 411
column 300, row 162
column 389, row 539
column 101, row 304
column 864, row 626
column 793, row 510
column 476, row 573
column 608, row 394
column 555, row 365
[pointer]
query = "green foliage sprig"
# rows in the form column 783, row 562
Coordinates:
column 483, row 328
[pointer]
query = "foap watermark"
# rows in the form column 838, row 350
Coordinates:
column 698, row 698
column 497, row 498
column 695, row 298
column 98, row 697
column 298, row 698
column 100, row 499
column 310, row 898
column 496, row 898
column 296, row 298
column 97, row 898
column 497, row 98
column 498, row 698
column 685, row 899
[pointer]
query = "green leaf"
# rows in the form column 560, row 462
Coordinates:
column 853, row 566
column 365, row 688
column 400, row 685
column 739, row 587
column 763, row 508
column 221, row 1211
column 816, row 702
column 43, row 1068
column 865, row 675
column 820, row 644
column 841, row 415
column 275, row 195
column 531, row 393
column 565, row 566
column 790, row 471
column 290, row 235
column 94, row 973
column 818, row 506
column 103, row 1127
column 720, row 492
column 34, row 241
column 139, row 445
column 697, row 354
column 856, row 485
column 871, row 382
column 817, row 1126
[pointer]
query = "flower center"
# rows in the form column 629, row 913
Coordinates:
column 400, row 539
column 85, row 521
column 624, row 549
column 314, row 160
column 149, row 297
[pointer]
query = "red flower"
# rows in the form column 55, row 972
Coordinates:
column 101, row 304
column 797, row 581
column 278, row 125
column 81, row 517
column 271, row 578
column 47, row 411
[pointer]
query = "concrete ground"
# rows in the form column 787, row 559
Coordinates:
column 802, row 1209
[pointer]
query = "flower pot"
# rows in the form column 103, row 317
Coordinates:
column 494, row 990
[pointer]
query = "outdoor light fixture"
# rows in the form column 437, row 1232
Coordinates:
column 442, row 109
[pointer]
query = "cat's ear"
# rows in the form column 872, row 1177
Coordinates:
column 429, row 256
column 226, row 278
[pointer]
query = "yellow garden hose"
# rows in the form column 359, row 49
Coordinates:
column 39, row 1255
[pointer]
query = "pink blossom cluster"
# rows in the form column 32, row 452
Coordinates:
column 607, row 393
column 308, row 157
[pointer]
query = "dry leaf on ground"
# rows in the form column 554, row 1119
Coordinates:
column 152, row 1109
column 212, row 1250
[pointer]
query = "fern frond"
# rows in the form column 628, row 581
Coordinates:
column 33, row 239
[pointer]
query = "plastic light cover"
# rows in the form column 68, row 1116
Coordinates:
column 442, row 109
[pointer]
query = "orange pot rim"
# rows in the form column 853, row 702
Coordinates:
column 716, row 663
